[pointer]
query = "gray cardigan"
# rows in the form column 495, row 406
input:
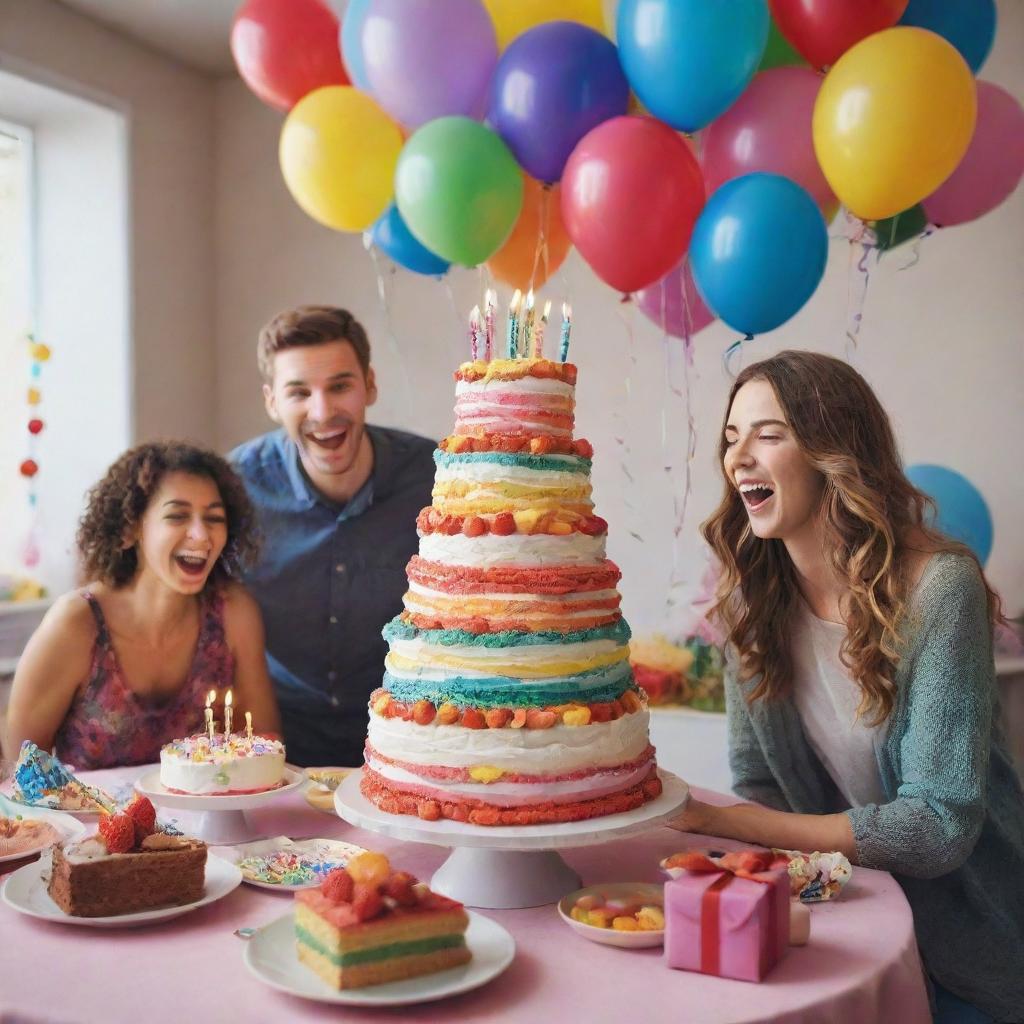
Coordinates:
column 952, row 829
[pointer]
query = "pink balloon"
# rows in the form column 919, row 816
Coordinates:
column 991, row 167
column 769, row 129
column 662, row 303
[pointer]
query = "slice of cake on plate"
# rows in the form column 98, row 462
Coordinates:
column 367, row 924
column 128, row 866
column 40, row 780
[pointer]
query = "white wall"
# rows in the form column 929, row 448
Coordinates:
column 940, row 342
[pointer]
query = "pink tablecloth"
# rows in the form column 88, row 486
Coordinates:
column 861, row 964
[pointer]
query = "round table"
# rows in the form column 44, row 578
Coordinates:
column 861, row 963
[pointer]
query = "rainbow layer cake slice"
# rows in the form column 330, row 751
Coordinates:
column 367, row 924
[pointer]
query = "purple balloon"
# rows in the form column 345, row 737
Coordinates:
column 425, row 59
column 662, row 303
column 554, row 83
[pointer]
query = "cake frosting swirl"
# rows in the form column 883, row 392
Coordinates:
column 229, row 765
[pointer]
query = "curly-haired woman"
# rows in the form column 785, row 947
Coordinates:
column 862, row 701
column 122, row 666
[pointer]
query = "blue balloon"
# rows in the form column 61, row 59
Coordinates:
column 391, row 235
column 758, row 251
column 961, row 512
column 352, row 42
column 689, row 60
column 970, row 25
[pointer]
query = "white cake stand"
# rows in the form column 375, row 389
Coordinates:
column 219, row 820
column 508, row 867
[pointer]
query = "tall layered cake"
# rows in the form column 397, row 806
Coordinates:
column 508, row 697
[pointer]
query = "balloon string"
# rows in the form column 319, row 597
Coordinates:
column 915, row 249
column 389, row 326
column 541, row 252
column 858, row 279
column 622, row 438
column 735, row 350
column 458, row 333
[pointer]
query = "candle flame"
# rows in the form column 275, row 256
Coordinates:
column 529, row 299
column 490, row 296
column 566, row 311
column 547, row 310
column 516, row 299
column 227, row 699
column 211, row 698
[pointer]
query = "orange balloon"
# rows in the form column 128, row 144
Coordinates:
column 538, row 244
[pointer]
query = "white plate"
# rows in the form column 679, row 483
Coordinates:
column 150, row 785
column 67, row 827
column 271, row 955
column 25, row 891
column 645, row 892
column 337, row 851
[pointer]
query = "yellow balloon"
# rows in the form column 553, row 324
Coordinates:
column 513, row 17
column 892, row 120
column 338, row 153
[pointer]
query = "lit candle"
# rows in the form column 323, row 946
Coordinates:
column 227, row 716
column 538, row 338
column 208, row 713
column 248, row 726
column 513, row 323
column 563, row 354
column 474, row 333
column 528, row 330
column 489, row 299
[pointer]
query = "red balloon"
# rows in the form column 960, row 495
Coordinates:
column 285, row 49
column 631, row 192
column 823, row 30
column 35, row 426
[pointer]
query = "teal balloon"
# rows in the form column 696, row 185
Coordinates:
column 351, row 40
column 390, row 234
column 689, row 60
column 970, row 25
column 459, row 189
column 961, row 511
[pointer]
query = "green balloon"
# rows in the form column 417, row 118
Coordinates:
column 894, row 231
column 459, row 189
column 777, row 51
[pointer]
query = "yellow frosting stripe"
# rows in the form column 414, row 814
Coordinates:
column 531, row 670
column 506, row 489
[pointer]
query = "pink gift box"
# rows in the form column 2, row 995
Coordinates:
column 725, row 924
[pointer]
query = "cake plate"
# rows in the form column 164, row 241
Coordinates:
column 509, row 867
column 219, row 820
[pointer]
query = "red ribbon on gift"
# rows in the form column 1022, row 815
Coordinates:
column 748, row 864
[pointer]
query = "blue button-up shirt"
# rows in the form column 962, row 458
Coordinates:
column 329, row 577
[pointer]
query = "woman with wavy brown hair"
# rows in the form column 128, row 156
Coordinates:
column 861, row 693
column 123, row 665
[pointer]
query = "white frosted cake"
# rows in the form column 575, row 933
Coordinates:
column 233, row 765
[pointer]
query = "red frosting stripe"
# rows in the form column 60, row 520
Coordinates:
column 498, row 624
column 561, row 579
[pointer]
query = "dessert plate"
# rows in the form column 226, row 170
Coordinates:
column 631, row 893
column 25, row 891
column 271, row 955
column 149, row 785
column 286, row 865
column 66, row 826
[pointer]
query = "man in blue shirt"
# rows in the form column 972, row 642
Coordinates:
column 337, row 501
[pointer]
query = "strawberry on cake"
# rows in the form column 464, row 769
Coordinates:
column 227, row 765
column 508, row 696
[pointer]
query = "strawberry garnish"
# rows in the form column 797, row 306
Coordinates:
column 118, row 831
column 143, row 814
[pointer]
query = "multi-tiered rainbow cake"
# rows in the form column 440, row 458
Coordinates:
column 508, row 697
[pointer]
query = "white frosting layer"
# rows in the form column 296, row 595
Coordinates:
column 554, row 751
column 251, row 773
column 525, row 550
column 493, row 472
column 583, row 596
column 523, row 385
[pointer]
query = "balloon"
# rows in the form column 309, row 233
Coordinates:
column 663, row 303
column 688, row 60
column 285, row 49
column 553, row 84
column 991, row 167
column 610, row 9
column 961, row 511
column 513, row 17
column 768, row 129
column 893, row 119
column 458, row 189
column 823, row 30
column 631, row 192
column 426, row 59
column 894, row 231
column 521, row 262
column 352, row 42
column 970, row 25
column 758, row 251
column 338, row 153
column 390, row 234
column 777, row 51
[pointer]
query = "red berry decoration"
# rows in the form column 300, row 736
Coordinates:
column 400, row 888
column 29, row 468
column 366, row 902
column 143, row 813
column 118, row 830
column 35, row 426
column 338, row 886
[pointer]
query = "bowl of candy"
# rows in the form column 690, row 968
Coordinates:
column 629, row 915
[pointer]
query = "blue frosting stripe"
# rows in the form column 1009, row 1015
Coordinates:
column 618, row 632
column 564, row 463
column 597, row 685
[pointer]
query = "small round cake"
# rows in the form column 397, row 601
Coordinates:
column 233, row 765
